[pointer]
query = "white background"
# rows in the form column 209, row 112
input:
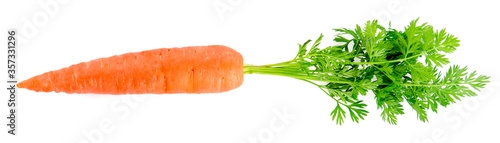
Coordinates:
column 264, row 32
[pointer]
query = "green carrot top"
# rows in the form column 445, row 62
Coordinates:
column 385, row 61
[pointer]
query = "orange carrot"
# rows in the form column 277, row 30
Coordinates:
column 197, row 69
column 367, row 59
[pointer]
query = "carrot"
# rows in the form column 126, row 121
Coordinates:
column 197, row 69
column 387, row 62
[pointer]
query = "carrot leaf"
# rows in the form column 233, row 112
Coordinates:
column 385, row 62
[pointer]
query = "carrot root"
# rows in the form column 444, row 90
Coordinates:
column 196, row 69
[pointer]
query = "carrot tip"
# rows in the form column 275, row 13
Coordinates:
column 20, row 85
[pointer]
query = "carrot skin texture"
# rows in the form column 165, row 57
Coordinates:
column 195, row 69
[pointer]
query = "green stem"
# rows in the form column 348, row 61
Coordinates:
column 294, row 71
column 320, row 87
column 290, row 70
